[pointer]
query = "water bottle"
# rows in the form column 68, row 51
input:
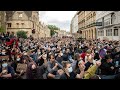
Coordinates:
column 117, row 63
column 119, row 70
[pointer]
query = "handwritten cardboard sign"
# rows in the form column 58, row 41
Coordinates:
column 21, row 67
column 4, row 57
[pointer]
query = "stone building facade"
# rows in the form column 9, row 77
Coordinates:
column 25, row 20
column 3, row 20
column 86, row 24
column 109, row 27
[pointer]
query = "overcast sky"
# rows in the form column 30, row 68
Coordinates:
column 61, row 19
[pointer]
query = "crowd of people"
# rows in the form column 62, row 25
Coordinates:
column 58, row 58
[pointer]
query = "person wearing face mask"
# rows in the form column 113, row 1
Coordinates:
column 15, row 63
column 68, row 71
column 6, row 71
column 3, row 52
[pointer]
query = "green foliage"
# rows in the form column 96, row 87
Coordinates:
column 22, row 34
column 52, row 29
column 2, row 29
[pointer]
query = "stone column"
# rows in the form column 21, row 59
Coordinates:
column 86, row 34
column 93, row 33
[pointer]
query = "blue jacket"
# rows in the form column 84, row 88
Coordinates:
column 9, row 69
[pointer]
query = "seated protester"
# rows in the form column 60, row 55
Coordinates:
column 73, row 53
column 68, row 71
column 38, row 53
column 41, row 60
column 59, row 57
column 102, row 52
column 24, row 62
column 70, row 55
column 15, row 62
column 37, row 72
column 26, row 58
column 96, row 57
column 48, row 52
column 3, row 52
column 66, row 54
column 6, row 71
column 31, row 72
column 83, row 54
column 79, row 64
column 33, row 55
column 89, row 60
column 13, row 51
column 8, row 52
column 18, row 51
column 93, row 54
column 88, row 55
column 52, row 68
column 75, row 62
column 92, row 70
column 107, row 67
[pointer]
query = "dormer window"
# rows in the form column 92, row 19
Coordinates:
column 20, row 15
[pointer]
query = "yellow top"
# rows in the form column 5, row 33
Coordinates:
column 90, row 72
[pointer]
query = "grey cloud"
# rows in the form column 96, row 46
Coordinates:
column 42, row 13
column 60, row 24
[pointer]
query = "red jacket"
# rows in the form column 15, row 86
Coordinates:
column 12, row 41
column 83, row 56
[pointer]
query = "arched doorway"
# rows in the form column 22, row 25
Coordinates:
column 95, row 33
column 92, row 34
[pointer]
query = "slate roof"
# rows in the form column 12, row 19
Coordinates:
column 10, row 14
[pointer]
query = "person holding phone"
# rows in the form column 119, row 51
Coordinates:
column 6, row 71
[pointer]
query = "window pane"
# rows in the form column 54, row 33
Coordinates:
column 111, row 32
column 9, row 24
column 106, row 33
column 115, row 32
column 20, row 15
column 102, row 33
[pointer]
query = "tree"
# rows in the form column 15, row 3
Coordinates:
column 22, row 34
column 52, row 29
column 2, row 29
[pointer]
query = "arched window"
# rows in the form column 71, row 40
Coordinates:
column 94, row 14
column 91, row 15
column 113, row 18
column 33, row 31
column 20, row 15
